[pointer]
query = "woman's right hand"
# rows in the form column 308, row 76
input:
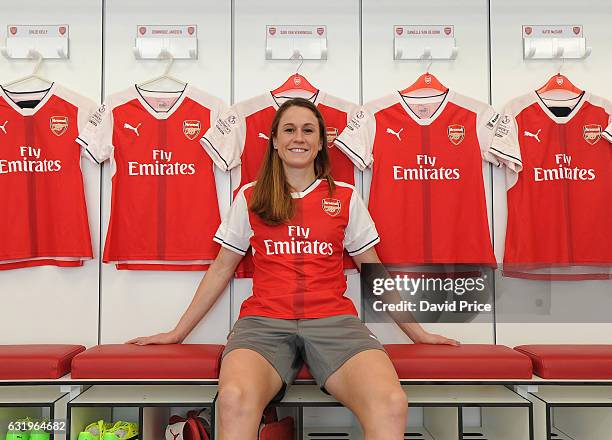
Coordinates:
column 160, row 338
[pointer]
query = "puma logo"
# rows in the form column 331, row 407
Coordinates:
column 535, row 136
column 397, row 135
column 3, row 126
column 263, row 136
column 174, row 436
column 134, row 129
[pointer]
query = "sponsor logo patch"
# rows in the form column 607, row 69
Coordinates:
column 591, row 133
column 456, row 133
column 331, row 207
column 191, row 129
column 58, row 125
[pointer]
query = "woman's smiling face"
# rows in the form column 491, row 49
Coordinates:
column 298, row 139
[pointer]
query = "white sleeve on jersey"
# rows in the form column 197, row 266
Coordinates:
column 97, row 134
column 487, row 120
column 224, row 140
column 607, row 133
column 235, row 231
column 357, row 139
column 360, row 233
column 505, row 148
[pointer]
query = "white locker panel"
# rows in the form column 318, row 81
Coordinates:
column 254, row 75
column 137, row 303
column 511, row 76
column 468, row 75
column 50, row 304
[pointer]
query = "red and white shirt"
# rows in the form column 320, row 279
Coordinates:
column 427, row 195
column 164, row 208
column 298, row 266
column 239, row 139
column 44, row 219
column 559, row 186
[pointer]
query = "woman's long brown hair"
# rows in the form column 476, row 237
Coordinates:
column 271, row 199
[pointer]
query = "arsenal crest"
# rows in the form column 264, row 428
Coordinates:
column 58, row 125
column 332, row 134
column 456, row 133
column 191, row 129
column 591, row 133
column 331, row 207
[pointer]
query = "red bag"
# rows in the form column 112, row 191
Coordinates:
column 274, row 429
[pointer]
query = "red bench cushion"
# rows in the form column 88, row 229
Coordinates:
column 36, row 361
column 128, row 361
column 570, row 361
column 468, row 361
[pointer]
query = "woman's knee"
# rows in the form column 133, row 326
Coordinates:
column 391, row 403
column 237, row 398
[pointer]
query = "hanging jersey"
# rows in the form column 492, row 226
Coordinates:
column 298, row 266
column 427, row 194
column 44, row 219
column 240, row 138
column 164, row 208
column 559, row 187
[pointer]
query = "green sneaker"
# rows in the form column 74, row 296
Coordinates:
column 94, row 431
column 121, row 431
column 23, row 433
column 39, row 434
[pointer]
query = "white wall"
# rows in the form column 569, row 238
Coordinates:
column 61, row 305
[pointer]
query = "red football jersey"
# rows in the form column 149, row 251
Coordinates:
column 559, row 187
column 164, row 208
column 427, row 195
column 239, row 140
column 44, row 219
column 298, row 266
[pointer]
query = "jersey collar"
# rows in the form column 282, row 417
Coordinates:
column 405, row 101
column 28, row 111
column 310, row 188
column 277, row 101
column 561, row 119
column 156, row 113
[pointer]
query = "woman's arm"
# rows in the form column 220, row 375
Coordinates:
column 412, row 329
column 212, row 285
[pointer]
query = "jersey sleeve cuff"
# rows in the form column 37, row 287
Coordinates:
column 214, row 154
column 229, row 246
column 499, row 155
column 607, row 134
column 364, row 247
column 352, row 154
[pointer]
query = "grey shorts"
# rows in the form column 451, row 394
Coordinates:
column 325, row 344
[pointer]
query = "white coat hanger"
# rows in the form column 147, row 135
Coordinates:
column 34, row 54
column 164, row 54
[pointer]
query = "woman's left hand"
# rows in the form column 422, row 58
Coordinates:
column 430, row 338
